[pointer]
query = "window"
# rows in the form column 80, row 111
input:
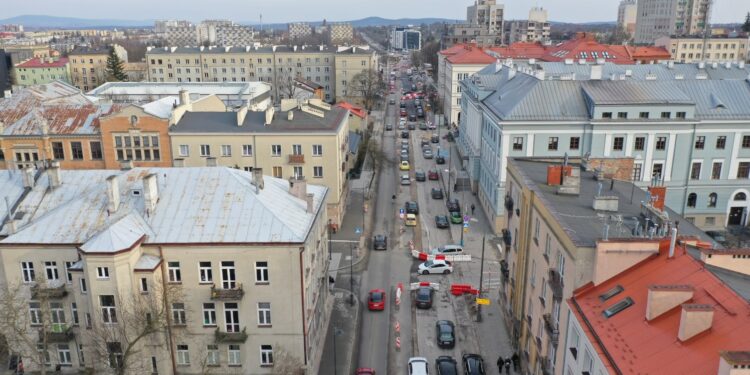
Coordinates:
column 247, row 150
column 74, row 312
column 743, row 170
column 88, row 320
column 233, row 355
column 184, row 150
column 109, row 312
column 96, row 150
column 317, row 150
column 205, row 150
column 264, row 314
column 297, row 172
column 212, row 355
column 517, row 143
column 209, row 314
column 266, row 355
column 228, row 278
column 63, row 354
column 643, row 115
column 261, row 272
column 144, row 285
column 536, row 228
column 226, row 150
column 204, row 270
column 552, row 144
column 137, row 147
column 318, row 172
column 42, row 350
column 81, row 359
column 740, row 197
column 277, row 172
column 532, row 278
column 102, row 272
column 275, row 150
column 619, row 144
column 183, row 355
column 695, row 171
column 666, row 115
column 58, row 152
column 710, row 220
column 76, row 150
column 231, row 317
column 681, row 115
column 746, row 141
column 640, row 144
column 27, row 270
column 712, row 199
column 178, row 314
column 622, row 115
column 173, row 270
column 575, row 143
column 606, row 114
column 297, row 149
column 721, row 142
column 700, row 142
column 661, row 143
column 35, row 313
column 692, row 200
column 83, row 286
column 656, row 171
column 611, row 311
column 716, row 170
column 50, row 270
column 637, row 171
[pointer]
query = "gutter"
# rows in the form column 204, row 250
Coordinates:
column 302, row 298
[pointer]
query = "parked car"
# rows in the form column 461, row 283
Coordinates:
column 436, row 193
column 402, row 113
column 376, row 300
column 446, row 333
column 412, row 207
column 473, row 364
column 453, row 205
column 441, row 221
column 401, row 121
column 411, row 220
column 412, row 117
column 432, row 175
column 392, row 101
column 423, row 297
column 456, row 218
column 431, row 126
column 380, row 242
column 405, row 179
column 446, row 365
column 420, row 176
column 422, row 126
column 418, row 366
column 447, row 250
column 404, row 134
column 427, row 153
column 420, row 112
column 388, row 127
column 435, row 138
column 437, row 266
column 424, row 142
column 404, row 142
column 411, row 126
column 440, row 159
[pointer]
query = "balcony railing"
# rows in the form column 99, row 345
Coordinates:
column 296, row 159
column 42, row 290
column 552, row 330
column 59, row 333
column 233, row 294
column 556, row 283
column 230, row 337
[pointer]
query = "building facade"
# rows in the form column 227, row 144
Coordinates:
column 711, row 50
column 658, row 18
column 626, row 16
column 534, row 29
column 182, row 35
column 40, row 71
column 464, row 33
column 406, row 39
column 299, row 30
column 488, row 14
column 341, row 33
column 88, row 66
column 233, row 94
column 136, row 71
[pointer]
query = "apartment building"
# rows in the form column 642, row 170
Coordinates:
column 465, row 33
column 309, row 139
column 571, row 223
column 454, row 65
column 683, row 124
column 348, row 63
column 161, row 26
column 340, row 33
column 146, row 252
column 406, row 39
column 711, row 50
column 298, row 30
column 182, row 35
column 233, row 94
column 658, row 18
column 626, row 16
column 5, row 73
column 488, row 14
column 88, row 66
column 40, row 71
column 136, row 71
column 534, row 29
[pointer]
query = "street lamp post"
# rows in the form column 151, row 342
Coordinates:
column 481, row 276
column 351, row 274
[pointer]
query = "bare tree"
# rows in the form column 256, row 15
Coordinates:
column 286, row 86
column 368, row 85
column 285, row 363
column 119, row 336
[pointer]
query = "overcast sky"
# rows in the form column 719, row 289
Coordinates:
column 280, row 11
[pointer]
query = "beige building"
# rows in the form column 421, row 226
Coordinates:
column 658, row 18
column 534, row 29
column 136, row 71
column 341, row 33
column 310, row 139
column 217, row 269
column 712, row 50
column 626, row 16
column 88, row 66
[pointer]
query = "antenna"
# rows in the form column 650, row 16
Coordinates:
column 261, row 22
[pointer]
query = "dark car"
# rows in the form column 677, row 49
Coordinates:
column 402, row 105
column 446, row 333
column 405, row 134
column 388, row 127
column 422, row 126
column 380, row 242
column 439, row 160
column 412, row 117
column 412, row 207
column 423, row 297
column 432, row 175
column 473, row 364
column 411, row 126
column 435, row 138
column 441, row 221
column 424, row 142
column 453, row 205
column 446, row 365
column 392, row 101
column 436, row 193
column 420, row 176
column 420, row 112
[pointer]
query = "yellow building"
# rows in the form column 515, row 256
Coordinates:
column 350, row 62
column 88, row 66
column 716, row 50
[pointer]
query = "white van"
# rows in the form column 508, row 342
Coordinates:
column 447, row 250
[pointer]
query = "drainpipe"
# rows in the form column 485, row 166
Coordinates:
column 302, row 297
column 687, row 174
column 527, row 225
column 169, row 316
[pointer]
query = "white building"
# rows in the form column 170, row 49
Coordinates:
column 406, row 39
column 626, row 16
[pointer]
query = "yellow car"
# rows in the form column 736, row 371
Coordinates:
column 404, row 166
column 411, row 220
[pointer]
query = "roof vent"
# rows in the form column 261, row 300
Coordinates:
column 650, row 77
column 716, row 102
column 701, row 75
column 728, row 65
column 568, row 61
column 670, row 64
column 679, row 76
column 715, row 65
column 741, row 65
column 581, row 61
column 662, row 298
column 628, row 73
column 617, row 307
column 258, row 179
column 702, row 65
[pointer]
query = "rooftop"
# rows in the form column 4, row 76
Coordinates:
column 54, row 119
column 174, row 88
column 90, row 51
column 43, row 63
column 252, row 49
column 354, row 109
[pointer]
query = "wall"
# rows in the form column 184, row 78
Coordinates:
column 146, row 125
column 614, row 256
column 737, row 262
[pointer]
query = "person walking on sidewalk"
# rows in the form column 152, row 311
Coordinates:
column 515, row 360
column 507, row 366
column 472, row 209
column 500, row 363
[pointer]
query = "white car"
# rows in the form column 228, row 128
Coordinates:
column 447, row 250
column 418, row 366
column 405, row 180
column 402, row 121
column 437, row 266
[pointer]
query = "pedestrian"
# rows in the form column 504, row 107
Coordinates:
column 472, row 209
column 515, row 360
column 500, row 363
column 507, row 366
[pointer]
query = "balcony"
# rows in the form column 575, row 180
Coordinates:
column 233, row 294
column 545, row 366
column 59, row 333
column 230, row 337
column 556, row 284
column 46, row 291
column 552, row 330
column 296, row 159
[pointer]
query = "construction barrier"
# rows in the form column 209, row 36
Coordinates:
column 397, row 327
column 415, row 286
column 450, row 258
column 398, row 344
column 459, row 289
column 411, row 245
column 398, row 294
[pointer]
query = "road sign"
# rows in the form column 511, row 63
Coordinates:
column 466, row 218
column 466, row 230
column 466, row 225
column 483, row 301
column 401, row 211
column 357, row 230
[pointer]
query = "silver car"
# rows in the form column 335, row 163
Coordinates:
column 427, row 153
column 405, row 180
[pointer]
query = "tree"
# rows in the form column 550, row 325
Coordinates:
column 416, row 59
column 286, row 86
column 115, row 67
column 285, row 363
column 367, row 85
column 746, row 25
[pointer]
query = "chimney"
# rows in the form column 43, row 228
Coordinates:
column 672, row 242
column 150, row 193
column 258, row 179
column 298, row 187
column 269, row 116
column 290, row 115
column 596, row 72
column 241, row 115
column 28, row 177
column 10, row 225
column 126, row 165
column 695, row 319
column 178, row 163
column 184, row 97
column 113, row 194
column 2, row 127
column 53, row 174
column 211, row 162
column 7, row 94
column 670, row 64
column 733, row 363
column 310, row 203
column 662, row 298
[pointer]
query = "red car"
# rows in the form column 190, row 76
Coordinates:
column 376, row 301
column 432, row 175
column 364, row 371
column 403, row 113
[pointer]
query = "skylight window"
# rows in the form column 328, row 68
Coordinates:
column 617, row 307
column 611, row 293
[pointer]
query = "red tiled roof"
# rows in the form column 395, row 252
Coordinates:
column 454, row 49
column 43, row 63
column 471, row 55
column 355, row 110
column 634, row 345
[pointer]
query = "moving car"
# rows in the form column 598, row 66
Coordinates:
column 435, row 138
column 376, row 300
column 432, row 175
column 423, row 297
column 411, row 220
column 412, row 117
column 364, row 371
column 427, row 153
column 424, row 142
column 456, row 218
column 392, row 101
column 446, row 365
column 404, row 158
column 411, row 126
column 420, row 176
column 380, row 242
column 453, row 205
column 446, row 334
column 405, row 134
column 418, row 366
column 447, row 250
column 441, row 221
column 437, row 266
column 440, row 159
column 402, row 121
column 405, row 180
column 402, row 113
column 473, row 364
column 412, row 207
column 422, row 126
column 388, row 127
column 436, row 193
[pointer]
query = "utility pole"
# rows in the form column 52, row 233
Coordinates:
column 481, row 276
column 351, row 274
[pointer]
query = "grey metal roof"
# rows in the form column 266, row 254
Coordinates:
column 630, row 92
column 638, row 72
column 226, row 122
column 11, row 188
column 195, row 205
column 524, row 97
column 733, row 94
column 240, row 49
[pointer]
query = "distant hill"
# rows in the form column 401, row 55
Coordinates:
column 37, row 21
